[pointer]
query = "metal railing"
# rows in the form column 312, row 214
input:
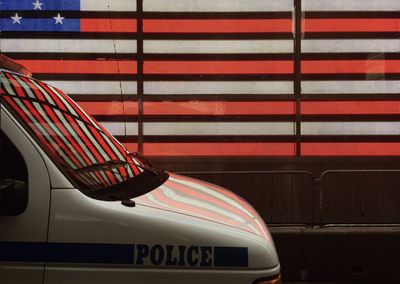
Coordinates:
column 335, row 198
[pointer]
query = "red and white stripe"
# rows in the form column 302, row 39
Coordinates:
column 217, row 6
column 68, row 45
column 106, row 5
column 218, row 128
column 259, row 46
column 87, row 87
column 218, row 87
column 351, row 5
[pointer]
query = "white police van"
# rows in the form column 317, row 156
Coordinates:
column 76, row 207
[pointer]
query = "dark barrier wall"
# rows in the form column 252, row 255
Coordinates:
column 298, row 198
column 360, row 197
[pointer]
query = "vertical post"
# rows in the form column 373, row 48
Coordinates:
column 318, row 202
column 1, row 97
column 140, row 87
column 297, row 71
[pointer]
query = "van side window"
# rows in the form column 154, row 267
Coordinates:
column 12, row 164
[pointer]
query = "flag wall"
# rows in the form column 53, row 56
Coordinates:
column 218, row 78
column 350, row 72
column 86, row 48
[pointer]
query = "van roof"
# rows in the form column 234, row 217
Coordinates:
column 11, row 65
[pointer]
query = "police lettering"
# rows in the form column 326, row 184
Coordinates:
column 169, row 255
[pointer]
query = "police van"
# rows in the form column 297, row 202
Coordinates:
column 77, row 207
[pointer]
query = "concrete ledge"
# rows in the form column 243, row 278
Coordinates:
column 351, row 254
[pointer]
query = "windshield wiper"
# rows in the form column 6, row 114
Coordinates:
column 141, row 158
column 146, row 165
column 102, row 166
column 140, row 184
column 108, row 165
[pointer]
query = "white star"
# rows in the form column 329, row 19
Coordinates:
column 16, row 19
column 37, row 5
column 58, row 19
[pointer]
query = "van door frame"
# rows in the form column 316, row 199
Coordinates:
column 25, row 236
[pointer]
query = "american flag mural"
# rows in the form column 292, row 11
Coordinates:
column 86, row 48
column 218, row 78
column 350, row 78
column 287, row 78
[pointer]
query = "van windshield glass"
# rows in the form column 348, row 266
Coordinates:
column 80, row 146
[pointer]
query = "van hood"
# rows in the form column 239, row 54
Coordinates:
column 181, row 214
column 203, row 200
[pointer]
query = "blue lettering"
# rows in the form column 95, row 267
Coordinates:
column 142, row 252
column 169, row 255
column 206, row 256
column 181, row 261
column 171, row 260
column 192, row 261
column 157, row 255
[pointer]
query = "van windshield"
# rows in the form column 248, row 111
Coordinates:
column 91, row 158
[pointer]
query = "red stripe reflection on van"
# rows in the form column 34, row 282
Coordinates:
column 228, row 194
column 221, row 204
column 61, row 125
column 53, row 96
column 85, row 139
column 217, row 26
column 17, row 87
column 220, row 149
column 24, row 117
column 99, row 138
column 38, row 94
column 351, row 149
column 51, row 129
column 177, row 205
column 40, row 135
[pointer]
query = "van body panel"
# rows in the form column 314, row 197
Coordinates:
column 66, row 275
column 103, row 222
column 57, row 179
column 32, row 224
column 30, row 221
